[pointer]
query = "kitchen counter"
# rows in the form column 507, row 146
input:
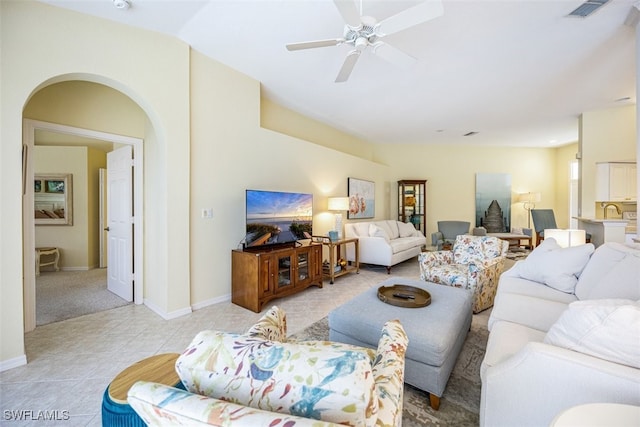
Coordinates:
column 602, row 221
column 603, row 230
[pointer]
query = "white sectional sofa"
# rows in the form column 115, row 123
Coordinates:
column 564, row 331
column 385, row 242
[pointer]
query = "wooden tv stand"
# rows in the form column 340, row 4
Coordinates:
column 260, row 275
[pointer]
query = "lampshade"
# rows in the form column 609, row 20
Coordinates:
column 529, row 197
column 566, row 238
column 338, row 203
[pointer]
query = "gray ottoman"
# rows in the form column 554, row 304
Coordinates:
column 436, row 332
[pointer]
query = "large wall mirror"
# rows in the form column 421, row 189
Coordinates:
column 53, row 199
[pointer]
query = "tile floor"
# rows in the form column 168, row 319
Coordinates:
column 72, row 362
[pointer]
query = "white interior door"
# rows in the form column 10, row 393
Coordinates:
column 104, row 234
column 120, row 222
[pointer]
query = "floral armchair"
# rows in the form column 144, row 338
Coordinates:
column 475, row 263
column 262, row 379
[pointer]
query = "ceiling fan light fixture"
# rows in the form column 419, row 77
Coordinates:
column 361, row 32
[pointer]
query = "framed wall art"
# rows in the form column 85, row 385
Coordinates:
column 362, row 198
column 493, row 202
column 53, row 199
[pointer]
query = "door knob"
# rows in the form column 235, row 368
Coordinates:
column 106, row 229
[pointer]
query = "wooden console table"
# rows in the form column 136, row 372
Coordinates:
column 40, row 252
column 331, row 271
column 514, row 239
column 260, row 275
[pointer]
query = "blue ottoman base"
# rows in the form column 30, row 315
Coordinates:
column 116, row 414
column 436, row 332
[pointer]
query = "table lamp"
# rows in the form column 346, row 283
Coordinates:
column 529, row 202
column 338, row 204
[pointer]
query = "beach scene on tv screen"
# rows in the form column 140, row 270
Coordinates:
column 277, row 217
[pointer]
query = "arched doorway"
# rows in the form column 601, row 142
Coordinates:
column 30, row 128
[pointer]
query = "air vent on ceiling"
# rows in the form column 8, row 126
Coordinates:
column 587, row 8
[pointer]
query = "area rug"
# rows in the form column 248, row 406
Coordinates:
column 62, row 295
column 460, row 403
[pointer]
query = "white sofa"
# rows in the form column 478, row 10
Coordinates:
column 564, row 331
column 385, row 242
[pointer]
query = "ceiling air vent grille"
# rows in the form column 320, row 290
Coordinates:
column 587, row 8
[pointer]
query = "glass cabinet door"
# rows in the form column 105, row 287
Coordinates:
column 284, row 277
column 303, row 266
column 411, row 202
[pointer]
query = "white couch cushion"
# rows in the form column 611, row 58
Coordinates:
column 518, row 285
column 390, row 227
column 376, row 231
column 360, row 229
column 505, row 340
column 555, row 266
column 612, row 272
column 531, row 311
column 406, row 229
column 402, row 244
column 608, row 329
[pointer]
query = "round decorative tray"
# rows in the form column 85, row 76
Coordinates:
column 404, row 296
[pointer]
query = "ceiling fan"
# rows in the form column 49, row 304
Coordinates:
column 362, row 32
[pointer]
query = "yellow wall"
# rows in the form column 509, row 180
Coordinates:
column 96, row 159
column 71, row 239
column 45, row 45
column 450, row 171
column 230, row 153
column 79, row 242
column 606, row 136
column 280, row 119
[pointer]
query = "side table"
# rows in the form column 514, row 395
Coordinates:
column 334, row 270
column 115, row 408
column 52, row 251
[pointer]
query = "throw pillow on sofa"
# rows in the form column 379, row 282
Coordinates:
column 307, row 381
column 375, row 231
column 406, row 229
column 608, row 329
column 555, row 266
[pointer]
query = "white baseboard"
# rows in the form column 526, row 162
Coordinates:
column 13, row 363
column 211, row 301
column 167, row 316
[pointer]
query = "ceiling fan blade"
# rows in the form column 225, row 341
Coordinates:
column 314, row 44
column 349, row 12
column 347, row 66
column 393, row 55
column 415, row 15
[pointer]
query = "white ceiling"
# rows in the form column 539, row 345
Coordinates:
column 518, row 72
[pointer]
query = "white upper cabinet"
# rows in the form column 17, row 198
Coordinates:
column 616, row 182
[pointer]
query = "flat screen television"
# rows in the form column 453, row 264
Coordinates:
column 277, row 218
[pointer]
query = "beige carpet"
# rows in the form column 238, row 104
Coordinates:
column 62, row 295
column 460, row 403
